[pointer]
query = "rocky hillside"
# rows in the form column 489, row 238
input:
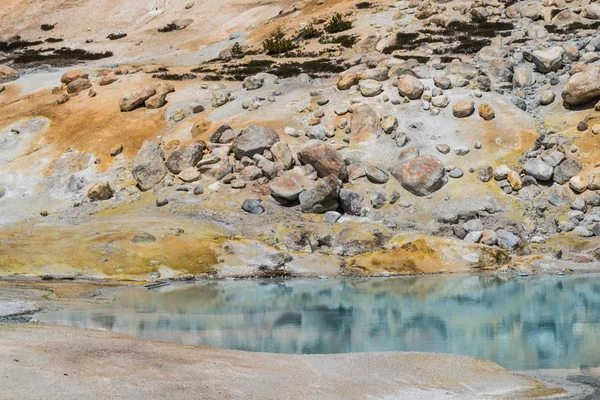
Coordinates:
column 174, row 139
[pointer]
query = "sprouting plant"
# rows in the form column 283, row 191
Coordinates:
column 309, row 32
column 237, row 51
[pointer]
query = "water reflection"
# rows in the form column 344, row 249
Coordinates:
column 533, row 323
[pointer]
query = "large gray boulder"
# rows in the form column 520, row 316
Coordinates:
column 322, row 197
column 421, row 175
column 549, row 59
column 324, row 158
column 566, row 170
column 185, row 157
column 582, row 87
column 253, row 140
column 149, row 166
column 350, row 201
column 538, row 169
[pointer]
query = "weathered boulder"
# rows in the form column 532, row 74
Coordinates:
column 282, row 153
column 108, row 79
column 486, row 112
column 189, row 174
column 582, row 87
column 566, row 170
column 185, row 157
column 253, row 140
column 507, row 240
column 523, row 77
column 347, row 80
column 135, row 99
column 253, row 206
column 538, row 169
column 324, row 158
column 7, row 74
column 363, row 124
column 159, row 99
column 370, row 87
column 73, row 75
column 592, row 11
column 322, row 197
column 100, row 191
column 410, row 87
column 549, row 59
column 286, row 188
column 78, row 85
column 350, row 201
column 422, row 175
column 149, row 166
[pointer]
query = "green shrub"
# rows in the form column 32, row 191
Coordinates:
column 237, row 51
column 278, row 43
column 308, row 32
column 337, row 24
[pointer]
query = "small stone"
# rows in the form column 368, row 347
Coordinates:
column 100, row 191
column 463, row 108
column 486, row 112
column 376, row 175
column 331, row 217
column 162, row 201
column 443, row 148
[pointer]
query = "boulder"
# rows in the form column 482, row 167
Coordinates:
column 286, row 188
column 100, row 191
column 185, row 157
column 189, row 174
column 486, row 112
column 282, row 153
column 322, row 197
column 159, row 99
column 350, row 201
column 422, row 175
column 78, row 85
column 149, row 166
column 566, row 170
column 549, row 59
column 253, row 140
column 370, row 87
column 108, row 79
column 507, row 240
column 135, row 99
column 253, row 206
column 410, row 87
column 582, row 87
column 364, row 124
column 324, row 158
column 538, row 169
column 463, row 108
column 592, row 11
column 73, row 75
column 347, row 80
column 523, row 77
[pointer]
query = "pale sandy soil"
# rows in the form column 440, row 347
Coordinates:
column 50, row 362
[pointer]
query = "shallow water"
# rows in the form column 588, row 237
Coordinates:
column 520, row 323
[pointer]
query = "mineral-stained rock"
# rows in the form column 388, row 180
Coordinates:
column 582, row 87
column 322, row 197
column 100, row 191
column 135, row 99
column 324, row 158
column 282, row 153
column 347, row 80
column 158, row 100
column 486, row 112
column 253, row 140
column 73, row 75
column 364, row 124
column 421, row 176
column 78, row 85
column 7, row 74
column 185, row 157
column 410, row 87
column 285, row 187
column 149, row 166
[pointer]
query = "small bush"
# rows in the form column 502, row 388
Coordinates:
column 168, row 28
column 278, row 43
column 116, row 36
column 47, row 27
column 337, row 24
column 237, row 51
column 363, row 4
column 345, row 40
column 53, row 40
column 308, row 32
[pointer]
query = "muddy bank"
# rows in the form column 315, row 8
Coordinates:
column 60, row 360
